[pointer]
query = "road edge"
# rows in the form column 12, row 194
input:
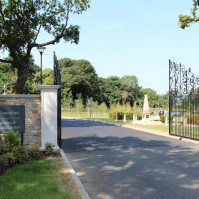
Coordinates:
column 83, row 192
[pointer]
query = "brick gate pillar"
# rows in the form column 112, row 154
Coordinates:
column 49, row 115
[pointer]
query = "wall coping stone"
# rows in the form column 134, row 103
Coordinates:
column 49, row 87
column 20, row 96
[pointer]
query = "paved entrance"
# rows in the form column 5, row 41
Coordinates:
column 120, row 163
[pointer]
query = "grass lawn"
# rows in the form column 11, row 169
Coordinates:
column 43, row 179
column 83, row 115
column 161, row 127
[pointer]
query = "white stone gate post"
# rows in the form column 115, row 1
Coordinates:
column 49, row 115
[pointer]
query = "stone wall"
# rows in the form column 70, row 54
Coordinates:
column 32, row 135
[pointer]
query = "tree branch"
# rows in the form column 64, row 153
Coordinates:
column 6, row 61
column 37, row 33
column 48, row 43
column 58, row 37
column 67, row 16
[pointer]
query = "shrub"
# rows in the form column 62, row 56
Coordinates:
column 34, row 153
column 12, row 139
column 11, row 159
column 120, row 115
column 162, row 118
column 129, row 116
column 139, row 116
column 21, row 154
column 49, row 148
column 3, row 162
column 4, row 149
column 152, row 113
column 112, row 115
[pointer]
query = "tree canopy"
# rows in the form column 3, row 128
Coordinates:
column 21, row 23
column 80, row 82
column 80, row 77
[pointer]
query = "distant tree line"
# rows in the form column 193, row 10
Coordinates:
column 80, row 81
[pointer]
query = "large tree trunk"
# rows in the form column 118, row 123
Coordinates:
column 21, row 80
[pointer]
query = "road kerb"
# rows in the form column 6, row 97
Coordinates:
column 81, row 188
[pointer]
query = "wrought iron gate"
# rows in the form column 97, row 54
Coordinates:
column 57, row 81
column 183, row 102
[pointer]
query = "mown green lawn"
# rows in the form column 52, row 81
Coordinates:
column 34, row 180
column 161, row 127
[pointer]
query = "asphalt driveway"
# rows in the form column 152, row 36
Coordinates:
column 120, row 163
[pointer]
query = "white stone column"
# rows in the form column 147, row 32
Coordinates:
column 49, row 115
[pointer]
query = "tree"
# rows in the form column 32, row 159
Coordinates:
column 66, row 62
column 67, row 99
column 21, row 23
column 130, row 84
column 80, row 77
column 124, row 96
column 111, row 88
column 186, row 20
column 79, row 103
column 152, row 96
column 8, row 77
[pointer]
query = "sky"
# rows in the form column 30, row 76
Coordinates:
column 130, row 37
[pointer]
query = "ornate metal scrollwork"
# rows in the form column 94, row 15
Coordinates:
column 183, row 101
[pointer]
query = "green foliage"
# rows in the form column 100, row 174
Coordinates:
column 67, row 99
column 10, row 158
column 186, row 20
column 8, row 77
column 48, row 148
column 3, row 162
column 136, row 108
column 22, row 21
column 79, row 77
column 112, row 115
column 162, row 118
column 120, row 115
column 4, row 149
column 131, row 86
column 21, row 154
column 152, row 96
column 34, row 152
column 129, row 116
column 139, row 116
column 102, row 108
column 12, row 139
column 36, row 180
column 110, row 90
column 79, row 106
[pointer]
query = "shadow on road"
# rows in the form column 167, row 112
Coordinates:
column 82, row 123
column 115, row 167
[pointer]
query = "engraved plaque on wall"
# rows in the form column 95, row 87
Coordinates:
column 12, row 118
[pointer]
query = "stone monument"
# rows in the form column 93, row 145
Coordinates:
column 145, row 112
